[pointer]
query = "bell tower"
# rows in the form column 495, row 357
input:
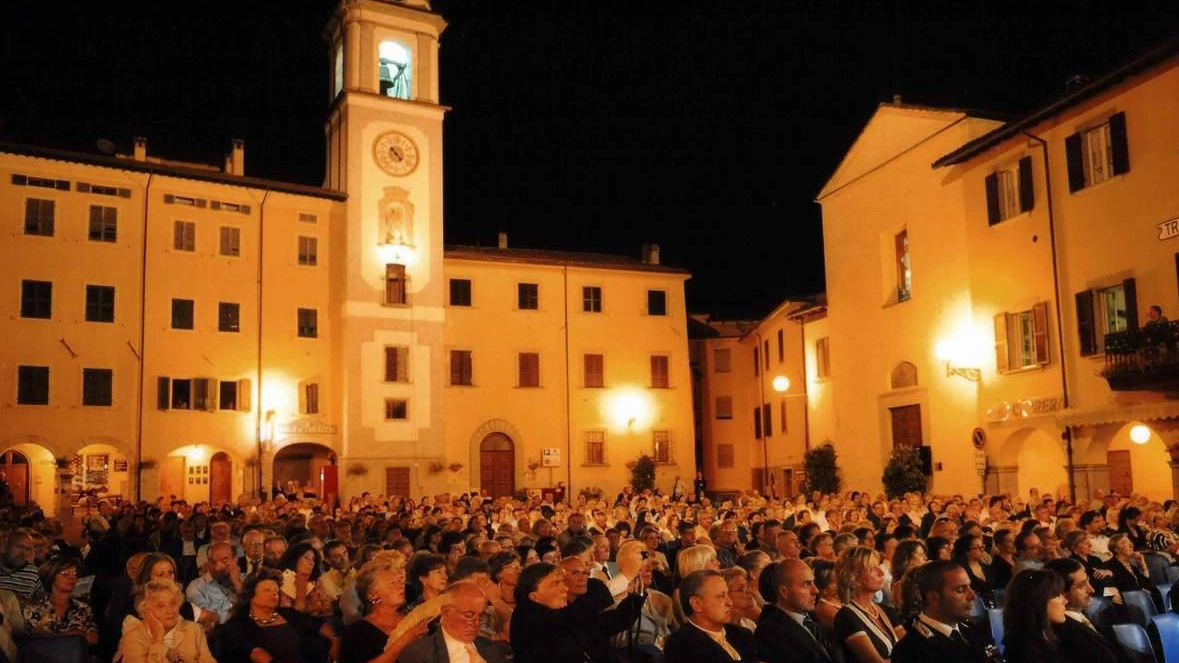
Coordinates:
column 384, row 150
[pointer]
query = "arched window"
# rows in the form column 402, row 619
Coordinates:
column 396, row 70
column 338, row 82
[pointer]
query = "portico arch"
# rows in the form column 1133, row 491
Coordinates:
column 481, row 433
column 1039, row 456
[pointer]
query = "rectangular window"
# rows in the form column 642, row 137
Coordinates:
column 904, row 274
column 1112, row 307
column 39, row 216
column 182, row 314
column 396, row 409
column 100, row 303
column 460, row 292
column 527, row 296
column 460, row 367
column 308, row 251
column 724, row 455
column 661, row 446
column 781, row 346
column 311, row 398
column 1097, row 153
column 1010, row 192
column 395, row 284
column 1021, row 339
column 104, row 223
column 595, row 447
column 184, row 236
column 767, row 420
column 181, row 394
column 529, row 369
column 724, row 407
column 304, row 217
column 659, row 372
column 656, row 302
column 227, row 398
column 782, row 413
column 823, row 357
column 36, row 299
column 32, row 385
column 765, row 353
column 231, row 241
column 722, row 360
column 756, row 361
column 757, row 423
column 203, row 394
column 96, row 386
column 591, row 299
column 595, row 371
column 396, row 364
column 308, row 322
column 228, row 317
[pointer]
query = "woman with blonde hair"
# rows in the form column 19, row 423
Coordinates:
column 161, row 635
column 745, row 610
column 861, row 625
column 693, row 558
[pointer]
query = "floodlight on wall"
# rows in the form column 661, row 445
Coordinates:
column 1140, row 434
column 958, row 357
column 781, row 384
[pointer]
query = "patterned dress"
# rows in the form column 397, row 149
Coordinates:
column 41, row 617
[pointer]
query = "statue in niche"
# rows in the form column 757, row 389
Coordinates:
column 904, row 375
column 396, row 217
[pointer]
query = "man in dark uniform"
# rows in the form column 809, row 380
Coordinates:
column 786, row 631
column 939, row 633
column 1079, row 639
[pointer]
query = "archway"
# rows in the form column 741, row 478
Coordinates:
column 1039, row 455
column 15, row 466
column 1139, row 468
column 101, row 470
column 306, row 468
column 36, row 466
column 497, row 465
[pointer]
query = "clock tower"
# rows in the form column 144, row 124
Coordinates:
column 384, row 149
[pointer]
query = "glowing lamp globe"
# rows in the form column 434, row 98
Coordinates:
column 781, row 383
column 1140, row 434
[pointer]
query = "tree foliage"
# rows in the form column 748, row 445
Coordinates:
column 903, row 473
column 822, row 473
column 642, row 474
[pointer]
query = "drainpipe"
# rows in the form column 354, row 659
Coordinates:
column 142, row 340
column 568, row 404
column 1068, row 431
column 258, row 406
column 761, row 402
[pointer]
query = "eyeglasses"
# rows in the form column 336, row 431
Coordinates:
column 69, row 572
column 470, row 617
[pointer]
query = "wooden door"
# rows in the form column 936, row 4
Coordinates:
column 788, row 488
column 220, row 479
column 397, row 481
column 1121, row 478
column 15, row 466
column 906, row 426
column 172, row 477
column 497, row 465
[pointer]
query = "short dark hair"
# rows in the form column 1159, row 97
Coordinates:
column 686, row 525
column 692, row 584
column 498, row 561
column 53, row 566
column 469, row 566
column 422, row 565
column 291, row 557
column 1021, row 540
column 530, row 579
column 1087, row 518
column 576, row 548
column 931, row 577
column 1065, row 567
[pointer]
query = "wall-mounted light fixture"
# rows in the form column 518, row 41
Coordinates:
column 959, row 359
column 781, row 384
column 1140, row 434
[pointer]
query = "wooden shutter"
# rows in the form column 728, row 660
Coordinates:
column 529, row 369
column 1040, row 332
column 1002, row 358
column 757, row 423
column 164, row 393
column 1118, row 144
column 214, row 394
column 1027, row 191
column 1076, row 162
column 992, row 185
column 200, row 394
column 245, row 395
column 1086, row 326
column 767, row 420
column 1131, row 293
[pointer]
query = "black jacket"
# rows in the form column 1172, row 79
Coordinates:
column 780, row 639
column 574, row 633
column 923, row 644
column 1081, row 643
column 691, row 645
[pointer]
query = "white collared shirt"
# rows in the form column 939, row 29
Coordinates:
column 719, row 638
column 940, row 627
column 456, row 649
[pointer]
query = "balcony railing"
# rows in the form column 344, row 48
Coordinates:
column 1143, row 359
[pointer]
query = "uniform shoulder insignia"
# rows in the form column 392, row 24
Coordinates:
column 922, row 630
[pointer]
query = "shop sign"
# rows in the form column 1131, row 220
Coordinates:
column 1024, row 408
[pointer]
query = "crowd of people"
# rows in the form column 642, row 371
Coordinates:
column 635, row 578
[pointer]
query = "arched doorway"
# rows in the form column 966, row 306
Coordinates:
column 220, row 479
column 15, row 466
column 497, row 465
column 306, row 465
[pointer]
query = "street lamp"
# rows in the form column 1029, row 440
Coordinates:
column 781, row 384
column 1140, row 434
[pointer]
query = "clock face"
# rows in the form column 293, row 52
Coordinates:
column 395, row 153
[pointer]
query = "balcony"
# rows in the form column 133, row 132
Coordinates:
column 1145, row 359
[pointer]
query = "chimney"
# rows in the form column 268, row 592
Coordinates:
column 228, row 169
column 503, row 240
column 651, row 254
column 140, row 153
column 239, row 157
column 896, row 99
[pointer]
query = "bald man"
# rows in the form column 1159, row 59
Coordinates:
column 786, row 632
column 216, row 590
column 457, row 638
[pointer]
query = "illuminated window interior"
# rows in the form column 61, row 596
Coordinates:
column 395, row 70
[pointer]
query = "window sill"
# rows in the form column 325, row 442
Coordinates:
column 1025, row 370
column 595, row 464
column 395, row 305
column 462, row 385
column 1010, row 219
column 529, row 386
column 1093, row 187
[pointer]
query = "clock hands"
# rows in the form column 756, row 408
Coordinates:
column 397, row 153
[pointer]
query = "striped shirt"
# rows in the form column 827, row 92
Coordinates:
column 23, row 581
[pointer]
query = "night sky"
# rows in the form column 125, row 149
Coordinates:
column 707, row 128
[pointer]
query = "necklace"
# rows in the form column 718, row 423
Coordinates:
column 872, row 612
column 264, row 621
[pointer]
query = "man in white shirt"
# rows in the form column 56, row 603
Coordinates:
column 601, row 567
column 457, row 639
column 1094, row 525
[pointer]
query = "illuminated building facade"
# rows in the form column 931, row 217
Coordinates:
column 180, row 329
